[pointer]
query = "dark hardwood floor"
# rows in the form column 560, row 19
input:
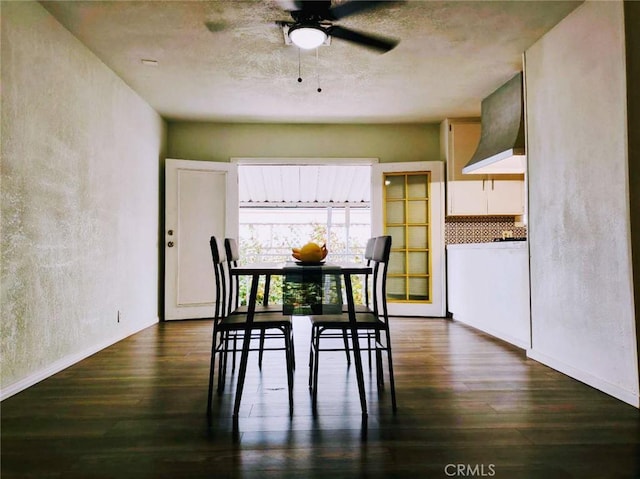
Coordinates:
column 468, row 406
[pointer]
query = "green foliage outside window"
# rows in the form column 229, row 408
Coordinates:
column 281, row 239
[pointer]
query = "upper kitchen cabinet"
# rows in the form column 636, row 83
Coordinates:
column 475, row 195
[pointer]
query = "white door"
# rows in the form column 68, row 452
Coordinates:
column 201, row 200
column 434, row 261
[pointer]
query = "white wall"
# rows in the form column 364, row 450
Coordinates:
column 80, row 173
column 583, row 319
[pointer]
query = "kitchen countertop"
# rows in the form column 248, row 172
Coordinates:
column 491, row 245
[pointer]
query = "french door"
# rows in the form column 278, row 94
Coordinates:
column 407, row 203
column 201, row 200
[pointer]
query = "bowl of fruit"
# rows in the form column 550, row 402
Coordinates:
column 310, row 253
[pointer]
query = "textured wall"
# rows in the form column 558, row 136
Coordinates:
column 583, row 319
column 219, row 142
column 632, row 40
column 80, row 155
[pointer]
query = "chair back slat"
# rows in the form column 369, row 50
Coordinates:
column 220, row 273
column 232, row 249
column 368, row 255
column 233, row 256
column 382, row 249
column 368, row 250
column 380, row 259
column 217, row 253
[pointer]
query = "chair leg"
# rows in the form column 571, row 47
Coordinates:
column 345, row 340
column 235, row 350
column 392, row 382
column 293, row 348
column 313, row 333
column 261, row 351
column 211, row 376
column 222, row 362
column 379, row 373
column 316, row 358
column 293, row 352
column 242, row 373
column 289, row 360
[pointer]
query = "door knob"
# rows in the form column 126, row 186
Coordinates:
column 170, row 244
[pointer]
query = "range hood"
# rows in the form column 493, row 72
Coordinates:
column 501, row 148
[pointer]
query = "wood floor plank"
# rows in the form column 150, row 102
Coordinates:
column 137, row 410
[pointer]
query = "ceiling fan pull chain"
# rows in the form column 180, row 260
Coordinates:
column 299, row 74
column 318, row 68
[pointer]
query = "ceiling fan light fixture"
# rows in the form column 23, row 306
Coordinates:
column 307, row 36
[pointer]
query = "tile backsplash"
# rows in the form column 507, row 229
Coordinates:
column 480, row 229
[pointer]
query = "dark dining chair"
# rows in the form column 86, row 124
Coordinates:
column 226, row 325
column 232, row 252
column 361, row 308
column 233, row 257
column 366, row 306
column 372, row 320
column 368, row 256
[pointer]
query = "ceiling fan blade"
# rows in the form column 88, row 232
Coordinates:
column 381, row 44
column 356, row 6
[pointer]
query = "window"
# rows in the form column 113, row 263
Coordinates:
column 268, row 233
column 287, row 205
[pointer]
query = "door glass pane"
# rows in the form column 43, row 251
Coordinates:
column 396, row 287
column 397, row 263
column 418, row 237
column 418, row 262
column 418, row 289
column 417, row 186
column 395, row 212
column 417, row 212
column 397, row 234
column 394, row 186
column 407, row 221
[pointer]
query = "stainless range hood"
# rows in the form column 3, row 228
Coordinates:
column 501, row 149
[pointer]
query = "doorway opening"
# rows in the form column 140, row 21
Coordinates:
column 286, row 206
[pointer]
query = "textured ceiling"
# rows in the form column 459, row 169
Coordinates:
column 227, row 61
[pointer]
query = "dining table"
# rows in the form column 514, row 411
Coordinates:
column 300, row 269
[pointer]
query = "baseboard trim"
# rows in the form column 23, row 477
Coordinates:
column 69, row 360
column 617, row 392
column 520, row 343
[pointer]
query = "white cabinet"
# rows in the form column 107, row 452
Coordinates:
column 475, row 195
column 488, row 289
column 505, row 195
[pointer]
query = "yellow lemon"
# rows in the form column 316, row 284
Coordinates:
column 311, row 252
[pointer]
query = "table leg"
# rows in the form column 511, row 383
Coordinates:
column 246, row 344
column 356, row 345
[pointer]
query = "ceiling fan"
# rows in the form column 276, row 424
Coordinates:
column 312, row 23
